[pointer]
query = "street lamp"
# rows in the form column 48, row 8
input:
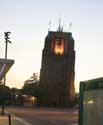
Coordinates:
column 7, row 40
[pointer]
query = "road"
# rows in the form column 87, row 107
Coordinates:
column 45, row 116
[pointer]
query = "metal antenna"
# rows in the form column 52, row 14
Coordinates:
column 49, row 25
column 59, row 23
column 59, row 28
column 70, row 25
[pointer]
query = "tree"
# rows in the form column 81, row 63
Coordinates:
column 31, row 86
column 30, row 89
column 5, row 95
column 15, row 93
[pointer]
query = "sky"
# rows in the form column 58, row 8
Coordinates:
column 28, row 22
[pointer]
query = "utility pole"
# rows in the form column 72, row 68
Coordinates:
column 7, row 40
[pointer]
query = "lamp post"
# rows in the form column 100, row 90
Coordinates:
column 7, row 40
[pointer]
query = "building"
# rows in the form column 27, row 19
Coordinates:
column 57, row 69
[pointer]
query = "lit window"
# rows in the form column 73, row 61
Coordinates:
column 59, row 46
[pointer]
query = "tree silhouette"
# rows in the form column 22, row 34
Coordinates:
column 5, row 95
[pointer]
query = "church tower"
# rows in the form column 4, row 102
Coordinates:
column 57, row 69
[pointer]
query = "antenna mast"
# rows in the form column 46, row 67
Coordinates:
column 70, row 25
column 49, row 25
column 59, row 28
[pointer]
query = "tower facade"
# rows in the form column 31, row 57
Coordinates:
column 57, row 69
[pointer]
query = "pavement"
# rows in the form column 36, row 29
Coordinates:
column 12, row 120
column 4, row 120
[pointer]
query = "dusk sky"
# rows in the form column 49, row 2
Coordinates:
column 28, row 22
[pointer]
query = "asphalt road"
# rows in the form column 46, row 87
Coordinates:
column 45, row 116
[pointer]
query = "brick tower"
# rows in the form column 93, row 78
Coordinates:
column 57, row 69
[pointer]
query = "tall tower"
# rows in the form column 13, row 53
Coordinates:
column 57, row 69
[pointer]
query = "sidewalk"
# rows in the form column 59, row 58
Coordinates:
column 4, row 120
column 17, row 121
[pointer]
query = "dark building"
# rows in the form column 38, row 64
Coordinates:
column 57, row 69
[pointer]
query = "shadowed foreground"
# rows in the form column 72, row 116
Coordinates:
column 45, row 116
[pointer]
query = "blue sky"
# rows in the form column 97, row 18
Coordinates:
column 28, row 20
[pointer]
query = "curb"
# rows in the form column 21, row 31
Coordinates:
column 17, row 118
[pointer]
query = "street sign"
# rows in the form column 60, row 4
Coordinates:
column 5, row 65
column 91, row 102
